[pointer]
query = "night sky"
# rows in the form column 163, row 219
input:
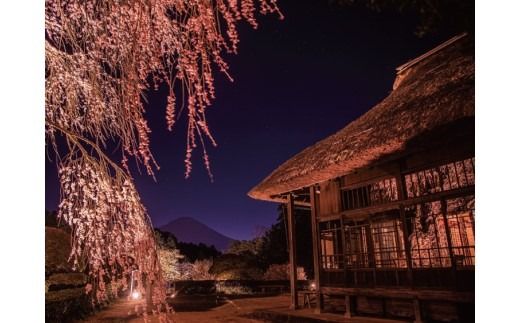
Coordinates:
column 296, row 81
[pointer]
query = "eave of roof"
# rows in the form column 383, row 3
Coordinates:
column 436, row 89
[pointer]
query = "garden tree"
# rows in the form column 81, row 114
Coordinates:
column 433, row 16
column 282, row 272
column 169, row 255
column 165, row 239
column 169, row 261
column 100, row 57
column 193, row 252
column 232, row 266
column 274, row 248
column 185, row 269
column 181, row 261
column 200, row 270
column 51, row 218
column 253, row 246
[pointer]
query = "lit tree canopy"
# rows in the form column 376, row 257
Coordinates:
column 100, row 58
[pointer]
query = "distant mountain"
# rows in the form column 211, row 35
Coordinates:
column 190, row 230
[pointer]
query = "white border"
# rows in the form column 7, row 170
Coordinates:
column 497, row 160
column 22, row 160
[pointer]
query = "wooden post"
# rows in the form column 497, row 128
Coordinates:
column 316, row 248
column 292, row 251
column 444, row 210
column 407, row 247
column 372, row 256
column 348, row 313
column 417, row 311
column 402, row 215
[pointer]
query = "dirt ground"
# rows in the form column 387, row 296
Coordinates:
column 233, row 311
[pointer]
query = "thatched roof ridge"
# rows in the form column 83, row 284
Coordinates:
column 433, row 91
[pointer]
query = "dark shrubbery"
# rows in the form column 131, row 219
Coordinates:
column 65, row 298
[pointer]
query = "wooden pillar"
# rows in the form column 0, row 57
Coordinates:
column 407, row 247
column 402, row 215
column 444, row 210
column 348, row 313
column 417, row 311
column 292, row 251
column 316, row 248
column 371, row 254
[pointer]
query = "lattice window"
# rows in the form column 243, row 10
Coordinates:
column 442, row 178
column 356, row 246
column 380, row 192
column 379, row 244
column 461, row 222
column 388, row 240
column 429, row 237
column 331, row 245
column 428, row 241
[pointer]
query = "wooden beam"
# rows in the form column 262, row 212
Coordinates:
column 292, row 251
column 284, row 200
column 360, row 214
column 316, row 248
column 403, row 293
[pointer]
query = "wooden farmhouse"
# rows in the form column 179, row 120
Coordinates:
column 392, row 197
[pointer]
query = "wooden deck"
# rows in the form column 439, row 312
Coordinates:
column 284, row 314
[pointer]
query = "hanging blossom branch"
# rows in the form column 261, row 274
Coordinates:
column 112, row 233
column 100, row 58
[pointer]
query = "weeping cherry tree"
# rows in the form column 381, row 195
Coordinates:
column 100, row 58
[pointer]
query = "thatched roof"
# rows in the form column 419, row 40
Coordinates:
column 433, row 90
